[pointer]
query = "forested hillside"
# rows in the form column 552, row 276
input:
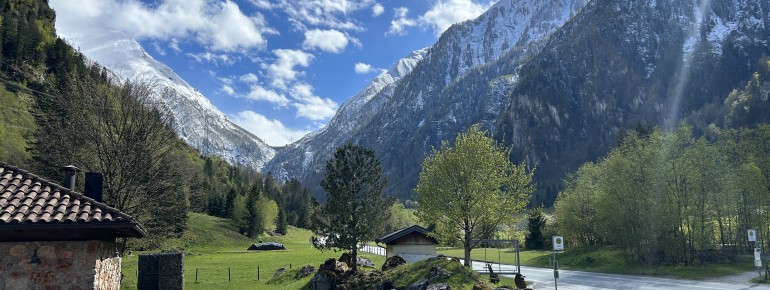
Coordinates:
column 59, row 109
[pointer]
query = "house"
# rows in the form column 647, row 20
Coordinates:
column 412, row 243
column 52, row 237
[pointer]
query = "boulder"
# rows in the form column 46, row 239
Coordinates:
column 323, row 280
column 364, row 262
column 304, row 272
column 279, row 272
column 421, row 284
column 269, row 246
column 439, row 286
column 346, row 258
column 393, row 262
column 388, row 285
column 438, row 272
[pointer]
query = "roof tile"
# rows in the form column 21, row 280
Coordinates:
column 27, row 198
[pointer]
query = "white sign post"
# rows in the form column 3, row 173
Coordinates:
column 558, row 245
column 757, row 250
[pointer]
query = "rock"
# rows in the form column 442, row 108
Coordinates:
column 279, row 272
column 304, row 272
column 456, row 259
column 323, row 280
column 388, row 285
column 421, row 284
column 438, row 272
column 439, row 286
column 269, row 246
column 346, row 258
column 365, row 262
column 393, row 262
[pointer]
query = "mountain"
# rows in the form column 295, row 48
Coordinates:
column 405, row 119
column 554, row 80
column 197, row 121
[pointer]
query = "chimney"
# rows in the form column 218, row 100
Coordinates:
column 94, row 185
column 70, row 173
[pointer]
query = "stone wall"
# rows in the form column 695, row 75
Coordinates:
column 64, row 265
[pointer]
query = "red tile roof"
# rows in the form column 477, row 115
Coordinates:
column 26, row 199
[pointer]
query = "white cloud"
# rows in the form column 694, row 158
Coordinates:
column 331, row 40
column 218, row 25
column 249, row 78
column 219, row 59
column 310, row 106
column 377, row 9
column 400, row 21
column 363, row 68
column 258, row 93
column 319, row 13
column 283, row 70
column 158, row 49
column 447, row 12
column 227, row 89
column 273, row 132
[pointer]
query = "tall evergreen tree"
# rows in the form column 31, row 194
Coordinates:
column 535, row 226
column 353, row 213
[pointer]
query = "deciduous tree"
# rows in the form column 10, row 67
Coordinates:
column 469, row 186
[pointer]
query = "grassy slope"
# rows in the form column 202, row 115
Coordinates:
column 606, row 260
column 212, row 245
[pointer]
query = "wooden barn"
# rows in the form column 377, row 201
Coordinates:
column 412, row 243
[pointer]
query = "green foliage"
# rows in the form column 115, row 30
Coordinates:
column 669, row 198
column 535, row 239
column 353, row 213
column 400, row 217
column 280, row 224
column 469, row 186
column 16, row 127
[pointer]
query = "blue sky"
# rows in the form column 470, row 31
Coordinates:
column 278, row 68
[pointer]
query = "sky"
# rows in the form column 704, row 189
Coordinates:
column 278, row 68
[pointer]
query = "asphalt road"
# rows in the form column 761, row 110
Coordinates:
column 577, row 280
column 542, row 278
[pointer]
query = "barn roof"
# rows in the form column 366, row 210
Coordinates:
column 391, row 237
column 30, row 203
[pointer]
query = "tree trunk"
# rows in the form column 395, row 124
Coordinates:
column 354, row 258
column 467, row 248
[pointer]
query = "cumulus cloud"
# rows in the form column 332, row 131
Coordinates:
column 259, row 93
column 273, row 132
column 332, row 41
column 283, row 69
column 310, row 106
column 400, row 21
column 249, row 78
column 217, row 25
column 377, row 9
column 447, row 12
column 227, row 89
column 363, row 68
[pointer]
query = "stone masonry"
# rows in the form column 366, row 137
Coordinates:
column 64, row 265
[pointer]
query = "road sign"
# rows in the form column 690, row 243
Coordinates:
column 752, row 235
column 558, row 243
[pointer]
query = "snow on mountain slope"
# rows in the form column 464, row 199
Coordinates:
column 198, row 122
column 428, row 104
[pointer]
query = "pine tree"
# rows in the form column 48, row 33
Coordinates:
column 280, row 225
column 535, row 226
column 353, row 213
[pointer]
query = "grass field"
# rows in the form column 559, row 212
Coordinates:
column 605, row 260
column 212, row 246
